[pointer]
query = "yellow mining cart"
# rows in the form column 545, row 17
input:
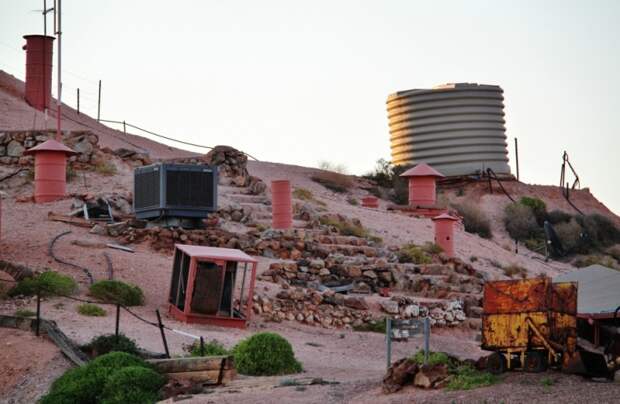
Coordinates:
column 530, row 324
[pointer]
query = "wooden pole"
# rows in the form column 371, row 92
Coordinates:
column 38, row 313
column 59, row 95
column 427, row 337
column 202, row 346
column 124, row 128
column 388, row 341
column 78, row 101
column 517, row 157
column 163, row 334
column 118, row 317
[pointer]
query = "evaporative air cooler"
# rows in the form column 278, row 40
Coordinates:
column 175, row 194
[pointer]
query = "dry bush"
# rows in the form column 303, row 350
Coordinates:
column 514, row 270
column 520, row 222
column 474, row 219
column 569, row 234
column 352, row 201
column 596, row 259
column 333, row 181
column 303, row 194
column 329, row 166
column 614, row 251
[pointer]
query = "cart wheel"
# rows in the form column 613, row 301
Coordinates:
column 496, row 363
column 535, row 361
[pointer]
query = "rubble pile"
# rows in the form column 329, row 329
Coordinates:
column 327, row 309
column 440, row 314
column 134, row 158
column 407, row 372
column 13, row 144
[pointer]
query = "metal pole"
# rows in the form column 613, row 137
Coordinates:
column 78, row 101
column 118, row 317
column 59, row 98
column 124, row 128
column 427, row 337
column 45, row 94
column 388, row 339
column 202, row 346
column 163, row 335
column 517, row 157
column 38, row 312
column 99, row 103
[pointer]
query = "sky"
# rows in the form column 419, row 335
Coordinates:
column 306, row 81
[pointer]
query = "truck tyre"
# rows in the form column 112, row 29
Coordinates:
column 496, row 363
column 535, row 361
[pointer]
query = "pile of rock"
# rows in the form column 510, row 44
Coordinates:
column 234, row 212
column 232, row 168
column 13, row 144
column 408, row 372
column 326, row 309
column 134, row 158
column 440, row 314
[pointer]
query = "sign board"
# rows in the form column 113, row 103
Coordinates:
column 402, row 330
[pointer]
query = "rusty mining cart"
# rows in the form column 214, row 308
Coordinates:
column 530, row 324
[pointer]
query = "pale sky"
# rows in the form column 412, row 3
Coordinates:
column 304, row 81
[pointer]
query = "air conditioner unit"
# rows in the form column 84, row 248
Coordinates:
column 174, row 191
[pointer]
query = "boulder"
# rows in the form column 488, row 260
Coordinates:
column 389, row 306
column 354, row 302
column 14, row 149
column 430, row 376
column 398, row 375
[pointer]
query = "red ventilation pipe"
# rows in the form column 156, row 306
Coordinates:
column 39, row 52
column 281, row 205
column 50, row 170
column 444, row 233
column 370, row 202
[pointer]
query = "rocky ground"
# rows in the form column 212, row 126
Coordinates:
column 293, row 265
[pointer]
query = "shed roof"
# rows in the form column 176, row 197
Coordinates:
column 422, row 170
column 224, row 254
column 50, row 145
column 598, row 289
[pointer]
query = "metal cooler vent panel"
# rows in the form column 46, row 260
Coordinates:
column 189, row 188
column 147, row 189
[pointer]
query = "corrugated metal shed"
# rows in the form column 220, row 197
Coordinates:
column 598, row 290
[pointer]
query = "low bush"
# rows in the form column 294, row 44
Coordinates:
column 132, row 384
column 211, row 348
column 558, row 216
column 434, row 358
column 474, row 219
column 432, row 248
column 466, row 377
column 86, row 384
column 595, row 259
column 333, row 181
column 106, row 168
column 387, row 176
column 303, row 194
column 514, row 270
column 49, row 283
column 111, row 291
column 614, row 251
column 601, row 231
column 92, row 310
column 106, row 343
column 377, row 326
column 265, row 354
column 538, row 207
column 352, row 201
column 413, row 253
column 536, row 244
column 24, row 313
column 520, row 222
column 344, row 227
column 569, row 233
column 329, row 166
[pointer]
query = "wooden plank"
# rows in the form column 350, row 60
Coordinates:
column 77, row 221
column 176, row 365
column 208, row 376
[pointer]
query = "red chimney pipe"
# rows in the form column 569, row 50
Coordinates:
column 39, row 52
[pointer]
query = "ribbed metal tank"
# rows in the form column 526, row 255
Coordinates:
column 456, row 128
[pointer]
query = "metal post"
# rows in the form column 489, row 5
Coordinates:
column 118, row 317
column 388, row 339
column 202, row 346
column 78, row 101
column 163, row 334
column 38, row 312
column 516, row 246
column 427, row 337
column 99, row 103
column 517, row 157
column 59, row 97
column 124, row 128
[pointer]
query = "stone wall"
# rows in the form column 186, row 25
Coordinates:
column 13, row 144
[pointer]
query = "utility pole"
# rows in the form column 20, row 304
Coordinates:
column 517, row 157
column 59, row 97
column 99, row 103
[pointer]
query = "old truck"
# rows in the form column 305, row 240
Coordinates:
column 530, row 324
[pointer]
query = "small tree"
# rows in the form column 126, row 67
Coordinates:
column 265, row 354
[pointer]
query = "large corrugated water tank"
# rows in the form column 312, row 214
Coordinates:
column 456, row 128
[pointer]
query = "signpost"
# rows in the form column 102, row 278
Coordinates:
column 401, row 330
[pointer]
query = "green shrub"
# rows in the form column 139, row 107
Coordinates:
column 558, row 216
column 106, row 343
column 24, row 313
column 106, row 168
column 538, row 206
column 520, row 222
column 132, row 384
column 85, row 384
column 303, row 194
column 387, row 176
column 352, row 201
column 91, row 310
column 344, row 227
column 265, row 354
column 212, row 348
column 466, row 378
column 474, row 219
column 49, row 283
column 536, row 244
column 600, row 230
column 117, row 292
column 434, row 358
column 432, row 248
column 382, row 175
column 413, row 253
